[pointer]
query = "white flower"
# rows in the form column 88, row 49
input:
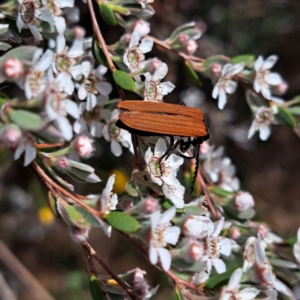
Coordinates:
column 263, row 76
column 162, row 233
column 55, row 6
column 26, row 145
column 154, row 89
column 231, row 291
column 220, row 170
column 35, row 80
column 216, row 245
column 296, row 247
column 243, row 201
column 197, row 227
column 92, row 119
column 264, row 270
column 58, row 107
column 164, row 173
column 116, row 135
column 64, row 63
column 225, row 84
column 134, row 57
column 93, row 85
column 29, row 16
column 108, row 200
column 264, row 116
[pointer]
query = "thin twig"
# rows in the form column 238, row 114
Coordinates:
column 205, row 190
column 54, row 187
column 5, row 291
column 166, row 46
column 99, row 36
column 15, row 266
column 122, row 284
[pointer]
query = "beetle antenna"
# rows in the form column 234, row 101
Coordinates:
column 196, row 155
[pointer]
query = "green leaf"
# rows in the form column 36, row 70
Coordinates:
column 98, row 53
column 82, row 175
column 95, row 288
column 292, row 240
column 74, row 217
column 131, row 189
column 25, row 119
column 281, row 263
column 192, row 73
column 93, row 221
column 247, row 214
column 119, row 9
column 247, row 59
column 138, row 11
column 221, row 59
column 194, row 210
column 218, row 280
column 284, row 118
column 123, row 222
column 123, row 80
column 52, row 202
column 181, row 29
column 220, row 192
column 295, row 110
column 108, row 15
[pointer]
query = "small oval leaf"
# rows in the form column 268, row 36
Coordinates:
column 218, row 280
column 131, row 189
column 52, row 203
column 192, row 73
column 95, row 288
column 25, row 119
column 220, row 192
column 98, row 53
column 140, row 12
column 123, row 222
column 123, row 80
column 194, row 210
column 108, row 15
column 284, row 118
column 247, row 59
column 247, row 214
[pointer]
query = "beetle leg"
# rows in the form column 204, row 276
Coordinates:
column 196, row 156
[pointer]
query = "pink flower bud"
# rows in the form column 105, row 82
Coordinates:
column 12, row 68
column 11, row 136
column 204, row 148
column 216, row 69
column 149, row 205
column 243, row 201
column 194, row 252
column 263, row 230
column 191, row 46
column 153, row 65
column 79, row 235
column 126, row 38
column 142, row 27
column 62, row 163
column 182, row 38
column 281, row 88
column 235, row 233
column 79, row 32
column 83, row 146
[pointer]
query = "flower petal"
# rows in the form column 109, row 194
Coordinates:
column 165, row 258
